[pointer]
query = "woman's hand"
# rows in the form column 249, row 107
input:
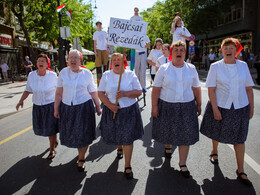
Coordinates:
column 217, row 114
column 114, row 108
column 198, row 109
column 99, row 111
column 121, row 94
column 155, row 112
column 251, row 113
column 19, row 104
column 56, row 114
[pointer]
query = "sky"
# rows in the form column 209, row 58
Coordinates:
column 123, row 9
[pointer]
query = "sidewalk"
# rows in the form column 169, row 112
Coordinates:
column 10, row 93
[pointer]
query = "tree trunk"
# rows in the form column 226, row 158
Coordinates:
column 28, row 41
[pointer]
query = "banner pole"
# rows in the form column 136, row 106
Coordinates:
column 119, row 83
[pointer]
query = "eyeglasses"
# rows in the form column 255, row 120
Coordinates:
column 41, row 61
column 74, row 58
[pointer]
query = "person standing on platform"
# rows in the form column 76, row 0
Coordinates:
column 230, row 106
column 27, row 65
column 178, row 14
column 179, row 32
column 154, row 55
column 101, row 50
column 4, row 68
column 135, row 17
column 164, row 58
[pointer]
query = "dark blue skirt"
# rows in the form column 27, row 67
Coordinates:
column 125, row 128
column 177, row 123
column 232, row 129
column 44, row 122
column 77, row 124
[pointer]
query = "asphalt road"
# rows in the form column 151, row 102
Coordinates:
column 24, row 169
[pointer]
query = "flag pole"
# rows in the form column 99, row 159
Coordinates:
column 120, row 77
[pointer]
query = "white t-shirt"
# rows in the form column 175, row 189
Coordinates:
column 109, row 84
column 212, row 56
column 4, row 67
column 146, row 40
column 154, row 55
column 42, row 87
column 176, row 83
column 230, row 81
column 162, row 60
column 136, row 18
column 176, row 34
column 101, row 39
column 76, row 86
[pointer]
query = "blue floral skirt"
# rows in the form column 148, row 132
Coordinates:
column 44, row 122
column 177, row 123
column 232, row 129
column 77, row 124
column 125, row 128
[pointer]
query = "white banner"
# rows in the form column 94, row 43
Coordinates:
column 126, row 33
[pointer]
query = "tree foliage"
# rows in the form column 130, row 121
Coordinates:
column 199, row 16
column 39, row 20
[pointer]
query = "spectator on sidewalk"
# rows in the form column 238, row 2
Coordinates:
column 127, row 125
column 230, row 106
column 155, row 53
column 101, row 50
column 27, row 65
column 42, row 84
column 212, row 57
column 164, row 58
column 205, row 60
column 179, row 32
column 176, row 104
column 4, row 68
column 74, row 107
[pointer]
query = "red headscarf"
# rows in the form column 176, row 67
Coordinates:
column 238, row 46
column 49, row 63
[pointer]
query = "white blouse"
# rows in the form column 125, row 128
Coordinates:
column 42, row 87
column 154, row 55
column 230, row 81
column 162, row 60
column 109, row 84
column 76, row 86
column 176, row 83
column 176, row 34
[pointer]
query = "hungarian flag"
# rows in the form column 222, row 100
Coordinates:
column 69, row 14
column 60, row 7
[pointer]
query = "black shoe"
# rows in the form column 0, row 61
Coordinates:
column 185, row 174
column 246, row 182
column 81, row 168
column 212, row 160
column 51, row 155
column 120, row 155
column 129, row 175
column 168, row 154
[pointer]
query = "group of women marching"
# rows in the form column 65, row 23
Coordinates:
column 65, row 104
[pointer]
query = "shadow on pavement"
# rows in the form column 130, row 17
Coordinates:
column 223, row 185
column 167, row 180
column 153, row 148
column 110, row 182
column 61, row 179
column 23, row 172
